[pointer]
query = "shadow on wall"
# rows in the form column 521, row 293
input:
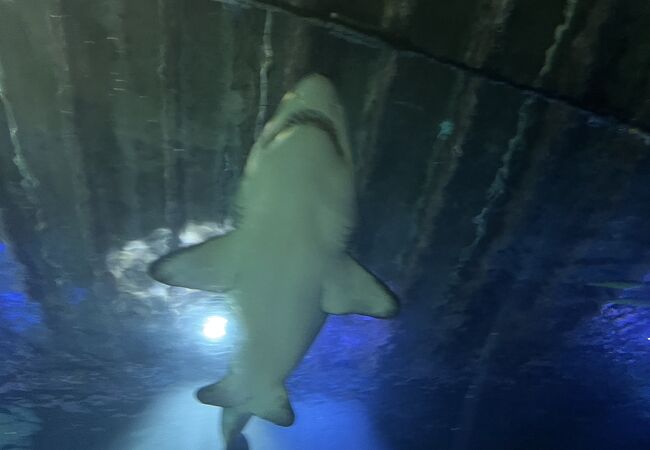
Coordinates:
column 177, row 420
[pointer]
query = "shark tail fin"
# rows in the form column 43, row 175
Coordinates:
column 207, row 266
column 232, row 423
column 351, row 289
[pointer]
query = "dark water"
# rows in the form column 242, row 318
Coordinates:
column 497, row 205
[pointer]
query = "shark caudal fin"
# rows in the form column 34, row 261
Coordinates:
column 208, row 266
column 232, row 423
column 351, row 289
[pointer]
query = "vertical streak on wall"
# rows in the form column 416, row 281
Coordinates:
column 3, row 233
column 29, row 181
column 580, row 55
column 441, row 168
column 500, row 182
column 265, row 66
column 559, row 33
column 493, row 198
column 124, row 106
column 396, row 14
column 372, row 114
column 488, row 28
column 71, row 146
column 443, row 161
column 297, row 43
column 167, row 123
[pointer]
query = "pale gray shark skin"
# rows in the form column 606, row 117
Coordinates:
column 285, row 265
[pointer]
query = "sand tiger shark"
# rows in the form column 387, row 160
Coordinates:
column 285, row 265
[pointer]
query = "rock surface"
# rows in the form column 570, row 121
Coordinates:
column 502, row 170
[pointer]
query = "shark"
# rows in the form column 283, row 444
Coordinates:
column 285, row 265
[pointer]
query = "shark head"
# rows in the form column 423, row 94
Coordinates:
column 313, row 101
column 315, row 93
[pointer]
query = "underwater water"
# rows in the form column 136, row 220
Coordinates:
column 501, row 163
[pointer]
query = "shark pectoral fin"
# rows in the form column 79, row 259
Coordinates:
column 274, row 406
column 351, row 289
column 208, row 266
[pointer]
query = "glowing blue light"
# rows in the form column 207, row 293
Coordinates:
column 214, row 327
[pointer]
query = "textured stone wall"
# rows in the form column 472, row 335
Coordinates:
column 494, row 187
column 593, row 53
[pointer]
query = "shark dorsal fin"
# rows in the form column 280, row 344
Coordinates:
column 208, row 266
column 351, row 289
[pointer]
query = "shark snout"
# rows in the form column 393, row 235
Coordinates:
column 316, row 92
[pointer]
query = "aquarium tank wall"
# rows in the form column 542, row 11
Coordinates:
column 324, row 224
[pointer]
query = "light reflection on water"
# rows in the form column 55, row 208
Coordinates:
column 160, row 345
column 187, row 308
column 175, row 420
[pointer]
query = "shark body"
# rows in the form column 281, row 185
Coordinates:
column 285, row 265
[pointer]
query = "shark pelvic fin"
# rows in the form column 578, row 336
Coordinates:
column 225, row 393
column 208, row 266
column 351, row 289
column 274, row 406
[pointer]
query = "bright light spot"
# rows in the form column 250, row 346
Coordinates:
column 214, row 327
column 194, row 233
